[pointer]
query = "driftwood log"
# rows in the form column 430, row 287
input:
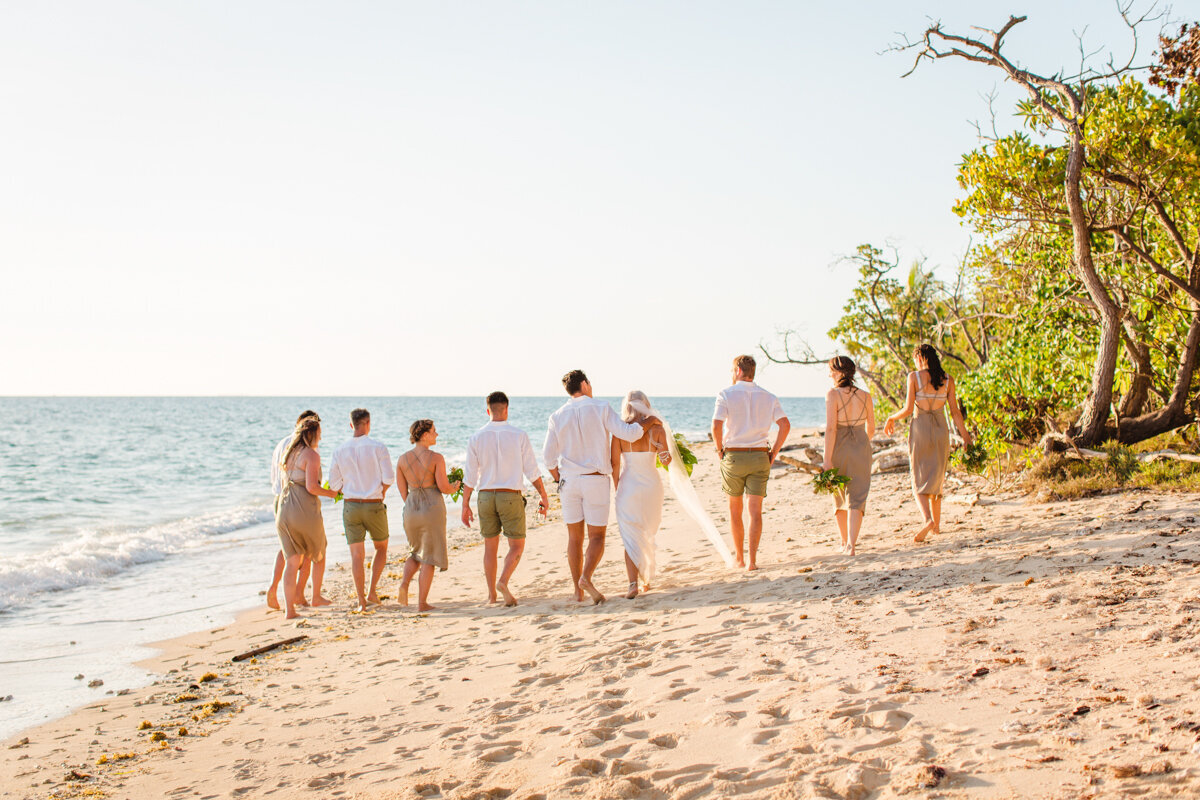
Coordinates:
column 266, row 648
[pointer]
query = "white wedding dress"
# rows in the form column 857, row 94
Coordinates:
column 639, row 509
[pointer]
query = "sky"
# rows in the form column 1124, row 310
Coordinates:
column 445, row 198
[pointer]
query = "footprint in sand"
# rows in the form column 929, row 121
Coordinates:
column 666, row 741
column 737, row 697
column 505, row 752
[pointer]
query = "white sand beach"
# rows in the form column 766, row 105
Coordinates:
column 1030, row 650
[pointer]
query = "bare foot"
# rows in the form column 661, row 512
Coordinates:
column 921, row 534
column 587, row 586
column 633, row 591
column 426, row 607
column 492, row 600
column 402, row 594
column 321, row 600
column 362, row 609
column 301, row 602
column 293, row 615
column 373, row 600
column 578, row 596
column 510, row 599
column 752, row 568
column 272, row 599
column 741, row 562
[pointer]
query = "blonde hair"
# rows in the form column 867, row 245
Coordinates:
column 627, row 411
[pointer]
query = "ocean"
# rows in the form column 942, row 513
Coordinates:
column 127, row 521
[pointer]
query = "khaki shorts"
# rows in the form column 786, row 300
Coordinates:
column 745, row 472
column 359, row 519
column 502, row 511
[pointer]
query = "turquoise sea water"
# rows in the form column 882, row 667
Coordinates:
column 131, row 520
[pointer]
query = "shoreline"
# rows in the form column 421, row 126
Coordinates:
column 1046, row 650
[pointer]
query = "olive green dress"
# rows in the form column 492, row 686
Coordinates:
column 425, row 519
column 298, row 520
column 852, row 458
column 929, row 443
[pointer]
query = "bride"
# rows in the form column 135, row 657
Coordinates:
column 640, row 491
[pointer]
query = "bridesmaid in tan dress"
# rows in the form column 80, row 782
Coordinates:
column 421, row 479
column 930, row 391
column 298, row 522
column 849, row 426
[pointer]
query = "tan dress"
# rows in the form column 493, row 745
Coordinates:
column 299, row 523
column 852, row 456
column 424, row 514
column 929, row 441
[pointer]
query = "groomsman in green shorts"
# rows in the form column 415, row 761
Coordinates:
column 499, row 456
column 741, row 429
column 362, row 471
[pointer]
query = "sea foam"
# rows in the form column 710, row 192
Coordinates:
column 95, row 555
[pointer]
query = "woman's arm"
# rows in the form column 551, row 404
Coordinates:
column 910, row 400
column 439, row 474
column 401, row 481
column 614, row 457
column 312, row 476
column 870, row 416
column 830, row 429
column 659, row 444
column 956, row 413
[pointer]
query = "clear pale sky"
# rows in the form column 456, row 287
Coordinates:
column 376, row 198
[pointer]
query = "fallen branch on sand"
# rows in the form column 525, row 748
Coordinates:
column 267, row 648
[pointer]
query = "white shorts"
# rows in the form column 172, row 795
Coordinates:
column 585, row 499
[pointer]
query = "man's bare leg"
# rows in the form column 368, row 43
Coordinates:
column 842, row 529
column 515, row 548
column 291, row 567
column 423, row 583
column 411, row 565
column 357, row 552
column 301, row 579
column 575, row 556
column 273, row 592
column 377, row 566
column 591, row 560
column 755, row 509
column 318, row 577
column 491, row 549
column 735, row 525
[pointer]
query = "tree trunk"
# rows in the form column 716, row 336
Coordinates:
column 1090, row 429
column 1134, row 401
column 1175, row 413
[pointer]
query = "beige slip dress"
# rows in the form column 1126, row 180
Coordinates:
column 299, row 523
column 424, row 513
column 929, row 440
column 852, row 455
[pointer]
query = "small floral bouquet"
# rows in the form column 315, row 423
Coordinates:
column 325, row 485
column 830, row 481
column 685, row 455
column 453, row 475
column 972, row 458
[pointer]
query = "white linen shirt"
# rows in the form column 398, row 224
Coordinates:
column 577, row 440
column 498, row 455
column 748, row 411
column 276, row 472
column 361, row 468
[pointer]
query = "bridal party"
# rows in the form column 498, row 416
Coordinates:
column 603, row 463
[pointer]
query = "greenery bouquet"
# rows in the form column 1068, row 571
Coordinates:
column 685, row 455
column 830, row 481
column 453, row 475
column 325, row 485
column 972, row 459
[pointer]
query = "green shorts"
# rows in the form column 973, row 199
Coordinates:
column 745, row 472
column 359, row 519
column 501, row 511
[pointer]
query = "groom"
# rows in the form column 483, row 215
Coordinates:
column 741, row 428
column 578, row 455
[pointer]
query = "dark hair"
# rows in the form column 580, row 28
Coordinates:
column 497, row 399
column 308, row 413
column 573, row 381
column 419, row 429
column 747, row 365
column 845, row 368
column 933, row 362
column 305, row 433
column 358, row 416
